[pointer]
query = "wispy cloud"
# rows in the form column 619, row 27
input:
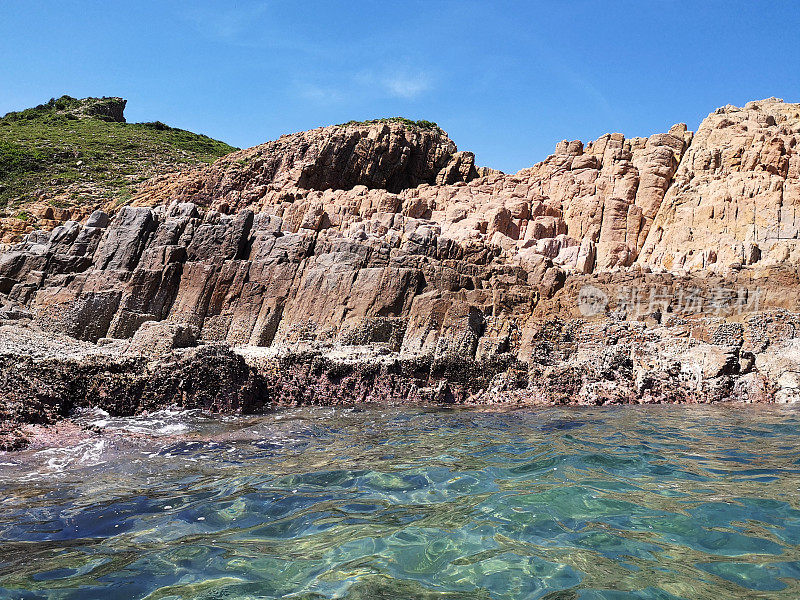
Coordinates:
column 376, row 85
column 225, row 23
column 320, row 93
column 407, row 85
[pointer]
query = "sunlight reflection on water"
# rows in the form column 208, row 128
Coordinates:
column 651, row 502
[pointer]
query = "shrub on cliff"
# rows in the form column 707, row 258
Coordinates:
column 421, row 124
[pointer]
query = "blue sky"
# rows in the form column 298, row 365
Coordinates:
column 507, row 80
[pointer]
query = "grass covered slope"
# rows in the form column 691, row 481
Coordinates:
column 67, row 157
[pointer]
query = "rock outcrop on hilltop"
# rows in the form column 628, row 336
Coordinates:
column 375, row 261
column 386, row 155
column 62, row 160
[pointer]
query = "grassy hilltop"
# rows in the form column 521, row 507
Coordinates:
column 78, row 154
column 407, row 123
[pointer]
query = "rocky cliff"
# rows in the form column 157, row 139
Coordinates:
column 390, row 155
column 376, row 261
column 734, row 200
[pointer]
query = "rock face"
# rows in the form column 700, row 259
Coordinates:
column 736, row 196
column 106, row 109
column 358, row 258
column 384, row 155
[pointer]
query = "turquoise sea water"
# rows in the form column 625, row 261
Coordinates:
column 659, row 502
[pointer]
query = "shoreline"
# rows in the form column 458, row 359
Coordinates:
column 47, row 377
column 70, row 432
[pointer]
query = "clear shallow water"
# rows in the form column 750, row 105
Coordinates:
column 659, row 502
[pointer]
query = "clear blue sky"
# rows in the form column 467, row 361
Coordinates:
column 507, row 80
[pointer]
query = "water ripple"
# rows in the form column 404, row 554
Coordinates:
column 662, row 503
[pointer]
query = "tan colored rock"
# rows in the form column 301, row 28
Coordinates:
column 159, row 338
column 735, row 191
column 275, row 258
column 385, row 155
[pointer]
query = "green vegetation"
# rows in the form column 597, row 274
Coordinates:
column 54, row 106
column 69, row 152
column 422, row 124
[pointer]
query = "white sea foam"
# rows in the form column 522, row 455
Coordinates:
column 163, row 422
column 58, row 460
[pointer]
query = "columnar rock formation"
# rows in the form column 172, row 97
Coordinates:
column 387, row 237
column 736, row 195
